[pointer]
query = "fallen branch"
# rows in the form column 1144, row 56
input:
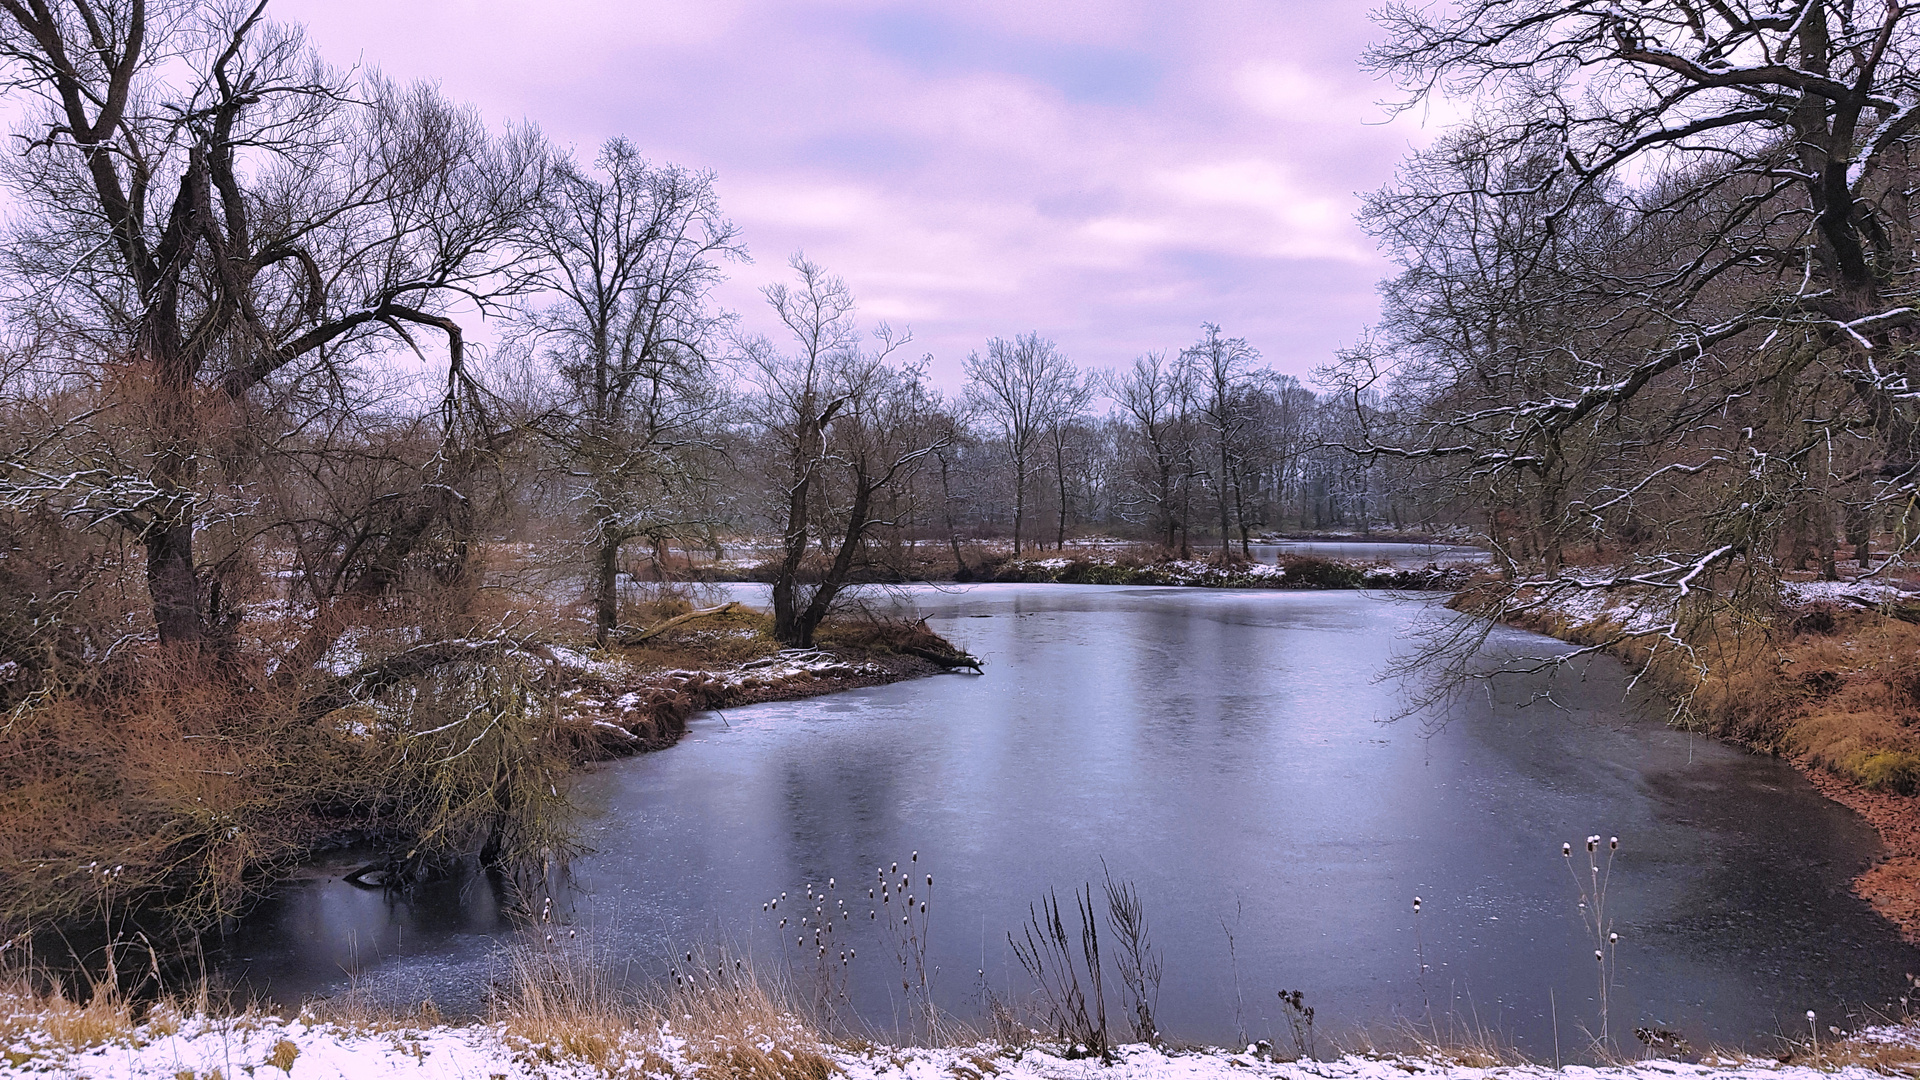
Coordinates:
column 948, row 660
column 677, row 620
column 370, row 679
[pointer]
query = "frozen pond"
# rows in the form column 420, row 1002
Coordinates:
column 1229, row 753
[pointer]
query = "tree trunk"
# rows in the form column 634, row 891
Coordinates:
column 961, row 572
column 1226, row 531
column 822, row 600
column 1019, row 501
column 1060, row 469
column 1166, row 493
column 606, row 592
column 172, row 584
column 786, row 629
column 1859, row 531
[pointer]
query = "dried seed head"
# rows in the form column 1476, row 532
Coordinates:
column 916, row 857
column 1613, row 939
column 1613, row 843
column 1567, row 850
column 923, row 907
column 1598, row 956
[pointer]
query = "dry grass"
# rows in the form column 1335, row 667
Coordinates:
column 1461, row 1045
column 721, row 640
column 1891, row 1049
column 51, row 1019
column 181, row 788
column 718, row 1016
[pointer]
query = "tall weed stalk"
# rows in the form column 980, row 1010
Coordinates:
column 1594, row 918
column 1076, row 1011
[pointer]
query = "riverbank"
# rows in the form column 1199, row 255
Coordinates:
column 1341, row 561
column 158, row 800
column 1289, row 572
column 1831, row 683
column 631, row 699
column 170, row 1047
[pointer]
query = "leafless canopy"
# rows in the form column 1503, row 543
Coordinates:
column 1659, row 294
column 207, row 208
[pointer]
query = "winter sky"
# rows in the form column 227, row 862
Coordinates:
column 1109, row 173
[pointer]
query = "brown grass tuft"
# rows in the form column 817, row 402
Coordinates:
column 717, row 1015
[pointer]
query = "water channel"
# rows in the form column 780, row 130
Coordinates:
column 1234, row 755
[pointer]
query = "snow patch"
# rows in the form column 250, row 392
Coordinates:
column 261, row 1046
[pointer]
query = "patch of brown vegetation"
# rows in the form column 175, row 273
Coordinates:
column 698, row 667
column 558, row 1007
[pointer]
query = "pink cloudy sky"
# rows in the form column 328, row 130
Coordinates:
column 1109, row 174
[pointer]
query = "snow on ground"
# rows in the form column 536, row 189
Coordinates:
column 1636, row 611
column 1641, row 610
column 1862, row 593
column 265, row 1047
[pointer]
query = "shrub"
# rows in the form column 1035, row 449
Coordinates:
column 1889, row 770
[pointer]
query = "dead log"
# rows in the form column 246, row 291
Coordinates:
column 678, row 620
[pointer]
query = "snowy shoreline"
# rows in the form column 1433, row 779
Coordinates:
column 265, row 1046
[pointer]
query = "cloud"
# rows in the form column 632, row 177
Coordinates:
column 1109, row 173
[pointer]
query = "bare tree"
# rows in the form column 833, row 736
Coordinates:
column 1066, row 433
column 957, row 421
column 1018, row 386
column 1221, row 370
column 631, row 250
column 204, row 206
column 1677, row 244
column 839, row 426
column 1153, row 395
